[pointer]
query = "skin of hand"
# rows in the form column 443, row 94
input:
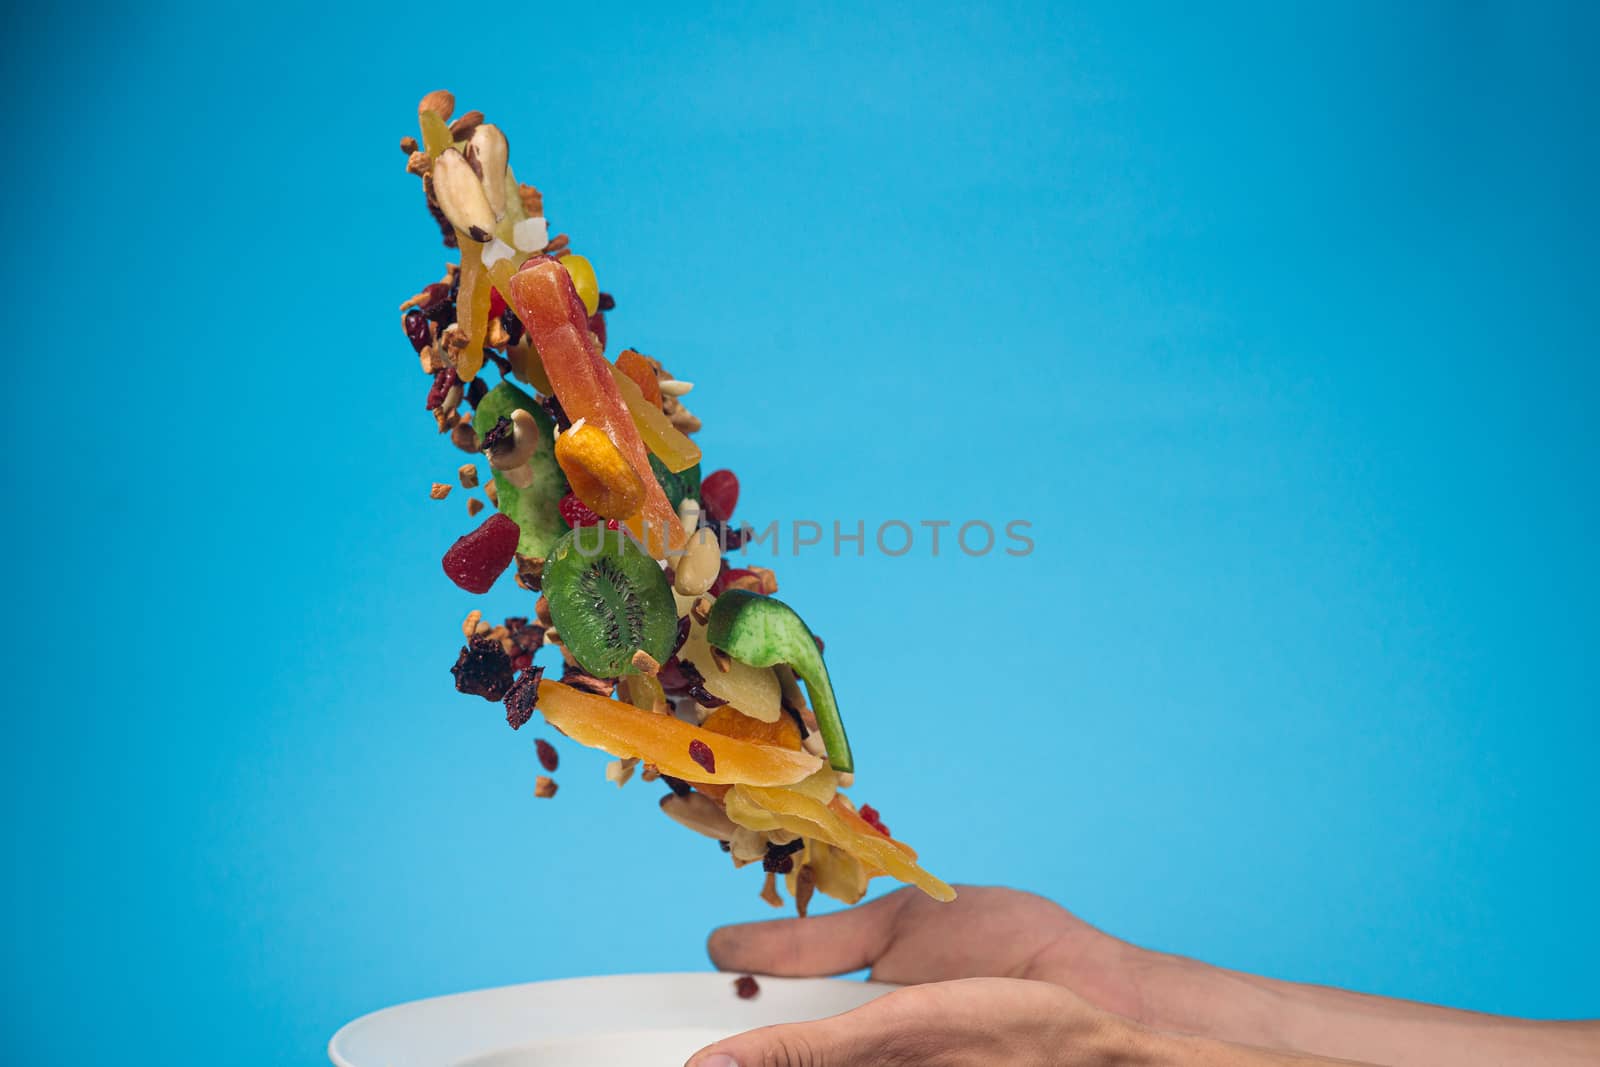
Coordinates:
column 1002, row 976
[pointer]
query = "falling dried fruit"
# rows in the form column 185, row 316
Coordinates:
column 478, row 558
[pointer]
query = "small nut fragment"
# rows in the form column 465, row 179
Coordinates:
column 645, row 663
column 544, row 786
column 700, row 610
column 492, row 491
column 468, row 473
column 702, row 815
column 474, row 505
column 673, row 387
column 620, row 770
column 469, row 625
column 461, row 196
column 440, row 490
column 650, row 773
column 487, row 152
column 700, row 565
column 408, row 144
column 723, row 661
column 419, row 163
column 768, row 581
column 441, row 102
column 464, row 437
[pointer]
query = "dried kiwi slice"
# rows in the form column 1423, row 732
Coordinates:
column 609, row 599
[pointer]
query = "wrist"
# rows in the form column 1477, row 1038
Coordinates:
column 1185, row 996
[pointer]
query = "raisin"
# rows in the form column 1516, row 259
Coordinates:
column 548, row 758
column 523, row 697
column 483, row 669
column 701, row 753
column 746, row 986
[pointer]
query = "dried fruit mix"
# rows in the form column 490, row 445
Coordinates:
column 671, row 657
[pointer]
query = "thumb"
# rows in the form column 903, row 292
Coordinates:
column 836, row 943
column 869, row 1036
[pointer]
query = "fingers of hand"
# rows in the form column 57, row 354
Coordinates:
column 823, row 944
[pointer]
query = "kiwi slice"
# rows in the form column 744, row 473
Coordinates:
column 537, row 509
column 763, row 632
column 678, row 485
column 609, row 599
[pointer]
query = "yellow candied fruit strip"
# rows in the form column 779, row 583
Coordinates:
column 627, row 732
column 584, row 281
column 764, row 808
column 435, row 132
column 669, row 444
column 472, row 306
column 599, row 473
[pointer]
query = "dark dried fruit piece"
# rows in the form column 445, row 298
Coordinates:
column 483, row 669
column 523, row 697
column 746, row 986
column 478, row 558
column 677, row 785
column 701, row 753
column 548, row 757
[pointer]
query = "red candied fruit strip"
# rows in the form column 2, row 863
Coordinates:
column 478, row 558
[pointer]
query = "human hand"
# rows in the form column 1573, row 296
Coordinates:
column 908, row 938
column 993, row 971
column 976, row 1022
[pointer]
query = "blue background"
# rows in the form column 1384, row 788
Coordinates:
column 1277, row 322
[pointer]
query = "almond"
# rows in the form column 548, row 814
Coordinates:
column 487, row 152
column 461, row 196
column 441, row 102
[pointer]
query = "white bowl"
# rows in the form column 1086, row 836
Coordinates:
column 627, row 1020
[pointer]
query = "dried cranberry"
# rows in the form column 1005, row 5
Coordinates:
column 746, row 986
column 607, row 302
column 443, row 381
column 478, row 558
column 701, row 753
column 597, row 326
column 577, row 514
column 476, row 391
column 695, row 685
column 780, row 858
column 726, row 846
column 677, row 785
column 870, row 814
column 671, row 676
column 497, row 303
column 523, row 697
column 436, row 296
column 417, row 332
column 719, row 493
column 513, row 326
column 548, row 758
column 483, row 669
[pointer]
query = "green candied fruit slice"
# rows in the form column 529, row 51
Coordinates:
column 537, row 509
column 764, row 632
column 680, row 485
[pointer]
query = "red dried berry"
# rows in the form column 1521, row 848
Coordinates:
column 548, row 758
column 443, row 381
column 597, row 326
column 701, row 753
column 416, row 325
column 870, row 814
column 719, row 494
column 478, row 558
column 577, row 514
column 497, row 304
column 745, row 985
column 671, row 675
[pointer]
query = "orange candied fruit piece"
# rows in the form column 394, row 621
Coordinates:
column 735, row 723
column 643, row 372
